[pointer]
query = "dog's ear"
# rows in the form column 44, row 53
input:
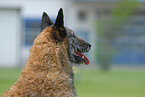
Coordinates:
column 59, row 23
column 45, row 21
column 59, row 31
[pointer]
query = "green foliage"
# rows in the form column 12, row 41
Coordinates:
column 122, row 11
column 107, row 30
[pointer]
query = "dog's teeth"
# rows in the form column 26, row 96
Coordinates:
column 83, row 57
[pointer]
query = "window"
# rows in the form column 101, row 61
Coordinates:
column 82, row 15
column 31, row 29
column 127, row 40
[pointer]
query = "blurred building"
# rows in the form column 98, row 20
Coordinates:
column 20, row 24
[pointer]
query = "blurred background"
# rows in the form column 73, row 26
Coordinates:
column 114, row 28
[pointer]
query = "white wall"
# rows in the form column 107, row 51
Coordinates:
column 29, row 9
column 35, row 8
column 9, row 37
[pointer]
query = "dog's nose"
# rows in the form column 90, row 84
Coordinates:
column 89, row 45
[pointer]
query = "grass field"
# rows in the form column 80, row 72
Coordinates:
column 93, row 83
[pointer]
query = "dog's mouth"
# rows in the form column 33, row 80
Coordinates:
column 81, row 56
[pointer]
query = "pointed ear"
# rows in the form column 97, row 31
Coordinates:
column 59, row 31
column 45, row 21
column 59, row 23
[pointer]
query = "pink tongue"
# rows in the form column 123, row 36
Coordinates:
column 83, row 56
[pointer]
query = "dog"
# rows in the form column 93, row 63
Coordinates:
column 48, row 71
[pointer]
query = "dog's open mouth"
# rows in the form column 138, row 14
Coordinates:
column 86, row 60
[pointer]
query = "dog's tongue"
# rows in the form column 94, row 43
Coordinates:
column 83, row 56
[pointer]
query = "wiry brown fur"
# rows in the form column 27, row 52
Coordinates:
column 48, row 72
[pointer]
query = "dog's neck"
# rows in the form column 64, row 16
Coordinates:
column 48, row 55
column 43, row 56
column 52, row 59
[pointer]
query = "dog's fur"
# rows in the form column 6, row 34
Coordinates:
column 48, row 71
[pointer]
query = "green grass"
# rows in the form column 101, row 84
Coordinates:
column 7, row 78
column 91, row 83
column 111, row 84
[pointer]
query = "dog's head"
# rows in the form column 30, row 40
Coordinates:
column 60, row 33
